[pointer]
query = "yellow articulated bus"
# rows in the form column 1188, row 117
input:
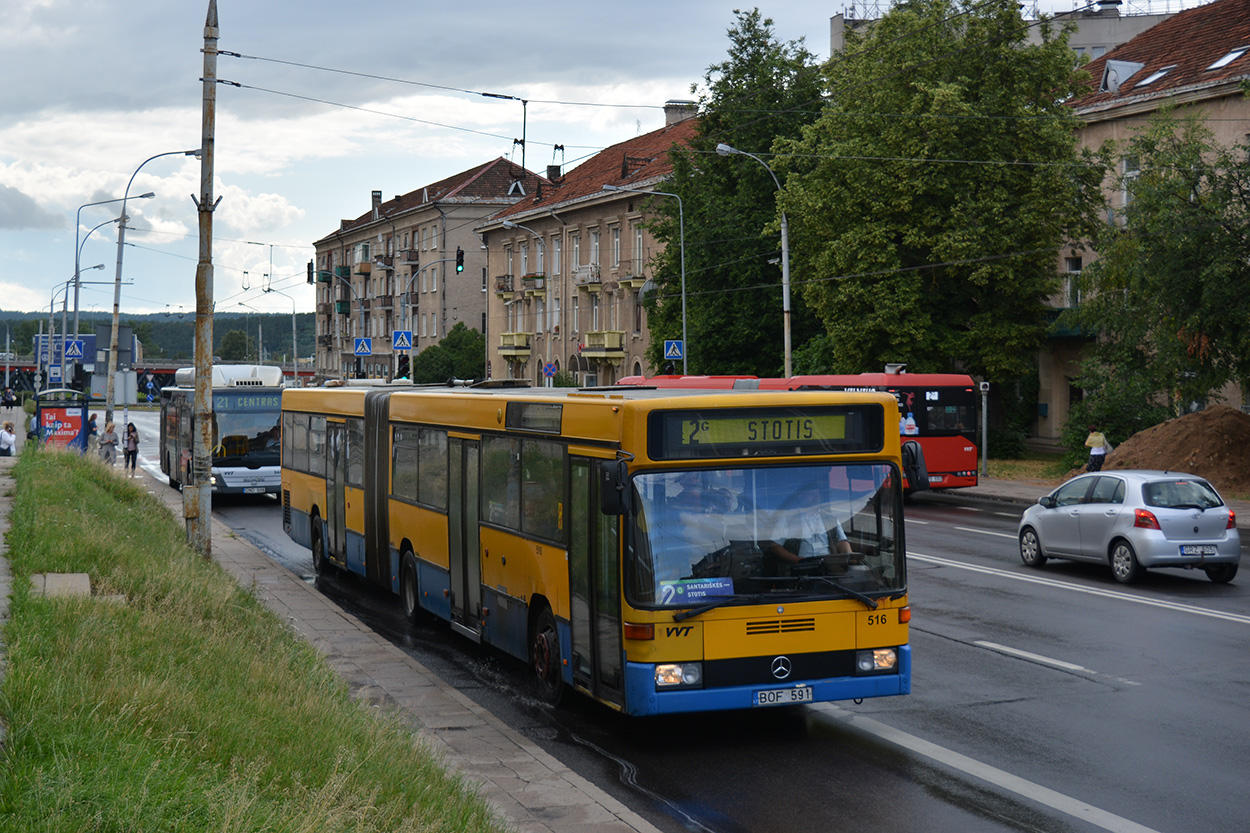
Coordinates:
column 658, row 550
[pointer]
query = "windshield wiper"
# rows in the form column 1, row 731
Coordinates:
column 869, row 601
column 723, row 600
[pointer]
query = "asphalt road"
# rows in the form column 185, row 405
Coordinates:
column 1048, row 699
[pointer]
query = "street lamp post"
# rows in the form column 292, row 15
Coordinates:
column 294, row 343
column 408, row 303
column 508, row 224
column 681, row 225
column 77, row 284
column 117, row 283
column 78, row 246
column 246, row 329
column 725, row 150
column 61, row 287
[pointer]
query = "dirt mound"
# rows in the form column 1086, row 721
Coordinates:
column 1214, row 444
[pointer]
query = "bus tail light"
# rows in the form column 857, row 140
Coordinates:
column 637, row 631
column 904, row 615
column 876, row 661
column 1145, row 519
column 679, row 675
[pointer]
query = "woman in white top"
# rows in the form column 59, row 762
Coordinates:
column 8, row 440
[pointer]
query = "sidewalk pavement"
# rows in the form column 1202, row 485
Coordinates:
column 530, row 789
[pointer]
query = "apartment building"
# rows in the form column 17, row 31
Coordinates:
column 569, row 265
column 1193, row 62
column 394, row 268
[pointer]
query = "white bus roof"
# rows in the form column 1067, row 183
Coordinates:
column 234, row 376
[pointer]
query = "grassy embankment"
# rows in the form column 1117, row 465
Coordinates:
column 1035, row 465
column 186, row 705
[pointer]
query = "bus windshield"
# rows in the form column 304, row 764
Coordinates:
column 708, row 536
column 246, row 428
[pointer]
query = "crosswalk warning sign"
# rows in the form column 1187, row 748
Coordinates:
column 673, row 349
column 401, row 339
column 73, row 349
column 364, row 347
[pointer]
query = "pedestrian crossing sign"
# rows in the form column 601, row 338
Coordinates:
column 401, row 339
column 674, row 349
column 73, row 349
column 364, row 347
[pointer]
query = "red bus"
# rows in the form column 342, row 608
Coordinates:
column 939, row 410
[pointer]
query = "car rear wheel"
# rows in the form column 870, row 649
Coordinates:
column 1124, row 564
column 1221, row 573
column 1031, row 548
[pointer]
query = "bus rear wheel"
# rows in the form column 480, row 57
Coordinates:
column 545, row 658
column 409, row 589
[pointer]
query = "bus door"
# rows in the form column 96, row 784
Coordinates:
column 594, row 587
column 336, row 480
column 462, row 537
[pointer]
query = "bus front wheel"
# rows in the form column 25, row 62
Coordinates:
column 321, row 564
column 545, row 658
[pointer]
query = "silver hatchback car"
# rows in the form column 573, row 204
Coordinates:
column 1133, row 520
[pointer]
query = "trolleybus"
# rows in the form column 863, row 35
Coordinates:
column 937, row 410
column 247, row 410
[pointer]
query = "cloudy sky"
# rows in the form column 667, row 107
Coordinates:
column 93, row 89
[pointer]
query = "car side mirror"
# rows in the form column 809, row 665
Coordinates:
column 1047, row 500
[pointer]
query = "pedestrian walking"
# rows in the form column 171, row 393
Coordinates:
column 8, row 439
column 93, row 435
column 108, row 445
column 1099, row 447
column 130, row 449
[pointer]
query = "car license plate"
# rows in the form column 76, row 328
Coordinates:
column 253, row 490
column 1198, row 549
column 783, row 696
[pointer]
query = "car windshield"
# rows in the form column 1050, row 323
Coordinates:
column 1180, row 494
column 828, row 531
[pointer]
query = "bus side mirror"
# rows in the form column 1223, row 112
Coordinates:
column 613, row 475
column 913, row 466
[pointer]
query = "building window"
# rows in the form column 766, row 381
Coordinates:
column 576, row 309
column 1071, row 282
column 525, row 258
column 555, row 255
column 616, row 246
column 539, row 243
column 637, row 248
column 637, row 312
column 483, row 278
column 594, row 247
column 576, row 240
column 508, row 258
column 434, row 279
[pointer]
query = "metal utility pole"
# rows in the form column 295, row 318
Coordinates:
column 197, row 495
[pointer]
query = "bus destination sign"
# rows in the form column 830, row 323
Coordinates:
column 752, row 432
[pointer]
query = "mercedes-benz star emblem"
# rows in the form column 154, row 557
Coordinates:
column 781, row 667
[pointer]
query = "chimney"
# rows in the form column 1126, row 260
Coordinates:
column 553, row 173
column 678, row 110
column 377, row 203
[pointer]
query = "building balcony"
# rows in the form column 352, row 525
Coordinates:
column 325, row 341
column 409, row 257
column 503, row 285
column 515, row 345
column 342, row 272
column 364, row 267
column 343, row 307
column 535, row 284
column 384, row 302
column 386, row 262
column 324, row 276
column 607, row 345
column 587, row 277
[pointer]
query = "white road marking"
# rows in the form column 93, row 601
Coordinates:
column 1092, row 591
column 986, row 532
column 1016, row 652
column 1036, row 792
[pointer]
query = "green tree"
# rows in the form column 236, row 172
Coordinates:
column 928, row 202
column 234, row 346
column 764, row 89
column 143, row 331
column 460, row 355
column 1168, row 292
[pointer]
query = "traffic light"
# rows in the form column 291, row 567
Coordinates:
column 311, row 278
column 402, row 373
column 459, row 259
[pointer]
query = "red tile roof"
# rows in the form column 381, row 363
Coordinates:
column 489, row 183
column 638, row 161
column 1190, row 42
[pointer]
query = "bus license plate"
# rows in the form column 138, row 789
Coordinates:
column 1198, row 549
column 253, row 490
column 783, row 696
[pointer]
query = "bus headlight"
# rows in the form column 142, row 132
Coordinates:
column 876, row 661
column 679, row 675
